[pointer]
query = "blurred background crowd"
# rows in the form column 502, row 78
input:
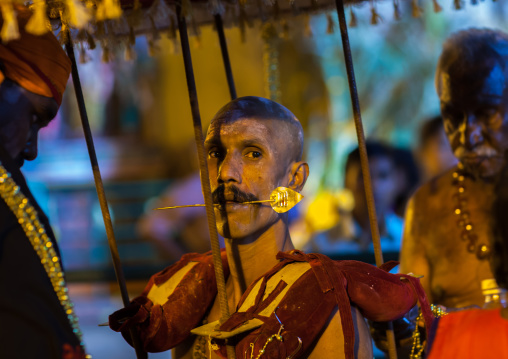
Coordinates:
column 141, row 119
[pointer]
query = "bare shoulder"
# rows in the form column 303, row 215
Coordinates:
column 331, row 342
column 433, row 188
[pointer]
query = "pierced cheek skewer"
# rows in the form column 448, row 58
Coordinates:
column 282, row 199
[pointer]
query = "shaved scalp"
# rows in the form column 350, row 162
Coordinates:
column 473, row 51
column 259, row 108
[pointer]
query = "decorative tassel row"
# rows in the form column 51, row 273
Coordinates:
column 330, row 27
column 10, row 27
column 437, row 7
column 416, row 10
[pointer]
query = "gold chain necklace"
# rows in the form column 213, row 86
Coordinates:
column 464, row 222
column 41, row 243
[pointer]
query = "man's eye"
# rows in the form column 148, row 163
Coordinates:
column 254, row 154
column 214, row 154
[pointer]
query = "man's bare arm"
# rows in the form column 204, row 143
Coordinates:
column 413, row 258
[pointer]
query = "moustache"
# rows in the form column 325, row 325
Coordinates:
column 233, row 193
column 480, row 151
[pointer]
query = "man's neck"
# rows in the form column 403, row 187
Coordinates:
column 247, row 262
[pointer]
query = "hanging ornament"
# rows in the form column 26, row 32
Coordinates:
column 457, row 4
column 375, row 18
column 437, row 7
column 474, row 2
column 396, row 10
column 77, row 15
column 152, row 48
column 307, row 29
column 271, row 61
column 130, row 54
column 106, row 55
column 153, row 28
column 352, row 21
column 83, row 56
column 330, row 27
column 216, row 7
column 132, row 37
column 416, row 10
column 186, row 8
column 39, row 23
column 10, row 27
column 90, row 41
column 108, row 10
column 284, row 29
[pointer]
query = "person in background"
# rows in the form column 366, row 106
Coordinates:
column 36, row 316
column 447, row 225
column 451, row 333
column 352, row 232
column 434, row 153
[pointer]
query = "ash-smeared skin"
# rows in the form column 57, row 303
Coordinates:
column 22, row 115
column 253, row 145
column 471, row 81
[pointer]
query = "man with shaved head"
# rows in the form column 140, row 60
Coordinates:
column 285, row 303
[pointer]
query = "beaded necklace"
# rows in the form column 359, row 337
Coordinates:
column 41, row 243
column 464, row 222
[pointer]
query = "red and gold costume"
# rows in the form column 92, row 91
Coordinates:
column 306, row 290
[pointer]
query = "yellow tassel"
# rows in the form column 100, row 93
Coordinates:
column 330, row 28
column 155, row 32
column 352, row 18
column 396, row 10
column 39, row 23
column 78, row 15
column 374, row 17
column 437, row 7
column 186, row 8
column 90, row 41
column 10, row 28
column 106, row 55
column 285, row 29
column 307, row 29
column 457, row 4
column 130, row 54
column 83, row 56
column 107, row 10
column 152, row 48
column 416, row 10
column 132, row 37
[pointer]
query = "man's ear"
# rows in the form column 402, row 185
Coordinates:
column 298, row 175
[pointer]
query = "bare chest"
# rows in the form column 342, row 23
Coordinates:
column 454, row 233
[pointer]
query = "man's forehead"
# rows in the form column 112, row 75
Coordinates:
column 487, row 81
column 246, row 127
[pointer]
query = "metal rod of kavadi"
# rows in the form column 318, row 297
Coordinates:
column 225, row 55
column 203, row 169
column 364, row 161
column 140, row 354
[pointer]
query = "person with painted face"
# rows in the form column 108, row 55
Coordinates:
column 285, row 303
column 448, row 226
column 36, row 317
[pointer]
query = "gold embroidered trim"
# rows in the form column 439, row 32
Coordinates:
column 34, row 230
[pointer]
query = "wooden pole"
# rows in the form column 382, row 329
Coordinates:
column 364, row 161
column 203, row 169
column 140, row 354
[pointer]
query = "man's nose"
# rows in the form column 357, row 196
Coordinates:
column 230, row 170
column 30, row 151
column 471, row 132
